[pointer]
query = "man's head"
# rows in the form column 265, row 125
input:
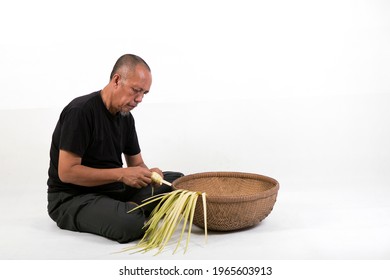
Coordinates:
column 130, row 80
column 127, row 62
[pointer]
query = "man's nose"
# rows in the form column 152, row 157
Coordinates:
column 139, row 98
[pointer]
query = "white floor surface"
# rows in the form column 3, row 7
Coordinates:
column 312, row 219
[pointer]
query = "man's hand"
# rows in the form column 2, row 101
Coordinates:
column 137, row 177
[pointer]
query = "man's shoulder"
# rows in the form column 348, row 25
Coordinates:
column 81, row 106
column 84, row 100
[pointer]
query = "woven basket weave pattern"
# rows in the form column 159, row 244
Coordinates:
column 234, row 200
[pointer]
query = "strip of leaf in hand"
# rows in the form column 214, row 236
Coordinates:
column 174, row 208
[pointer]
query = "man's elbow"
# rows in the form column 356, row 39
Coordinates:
column 67, row 166
column 65, row 175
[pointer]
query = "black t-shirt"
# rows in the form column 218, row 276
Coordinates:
column 88, row 129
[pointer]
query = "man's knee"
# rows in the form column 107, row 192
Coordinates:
column 129, row 227
column 171, row 176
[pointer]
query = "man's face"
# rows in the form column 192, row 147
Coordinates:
column 131, row 89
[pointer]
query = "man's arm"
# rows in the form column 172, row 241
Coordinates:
column 137, row 160
column 70, row 170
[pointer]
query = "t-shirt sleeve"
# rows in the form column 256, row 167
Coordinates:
column 131, row 146
column 75, row 131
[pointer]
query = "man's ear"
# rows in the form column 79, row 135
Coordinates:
column 115, row 80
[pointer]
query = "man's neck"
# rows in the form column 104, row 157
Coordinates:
column 105, row 93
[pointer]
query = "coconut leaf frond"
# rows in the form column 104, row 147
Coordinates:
column 174, row 208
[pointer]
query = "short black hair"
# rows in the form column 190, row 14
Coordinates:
column 128, row 60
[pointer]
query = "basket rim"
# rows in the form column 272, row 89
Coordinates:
column 231, row 199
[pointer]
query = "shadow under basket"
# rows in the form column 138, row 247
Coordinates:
column 235, row 200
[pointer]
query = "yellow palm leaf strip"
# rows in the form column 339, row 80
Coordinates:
column 177, row 215
column 194, row 198
column 154, row 233
column 165, row 200
column 148, row 201
column 141, row 243
column 185, row 216
column 174, row 217
column 162, row 232
column 158, row 212
column 172, row 208
column 148, row 243
column 204, row 215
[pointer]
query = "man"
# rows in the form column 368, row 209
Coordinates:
column 89, row 190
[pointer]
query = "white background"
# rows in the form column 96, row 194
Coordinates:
column 295, row 90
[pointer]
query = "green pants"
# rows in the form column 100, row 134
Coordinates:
column 105, row 213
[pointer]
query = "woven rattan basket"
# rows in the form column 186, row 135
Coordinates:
column 235, row 200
